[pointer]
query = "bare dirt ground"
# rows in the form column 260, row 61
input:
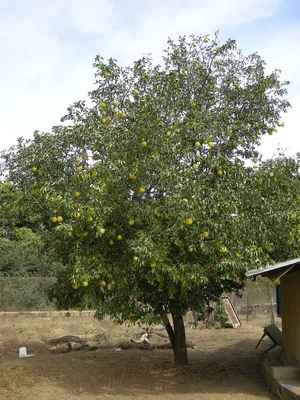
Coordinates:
column 223, row 365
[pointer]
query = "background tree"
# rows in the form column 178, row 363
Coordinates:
column 271, row 197
column 23, row 254
column 141, row 194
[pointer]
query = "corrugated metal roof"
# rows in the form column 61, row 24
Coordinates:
column 274, row 267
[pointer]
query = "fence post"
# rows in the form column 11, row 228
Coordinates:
column 1, row 295
column 234, row 299
column 247, row 307
column 271, row 311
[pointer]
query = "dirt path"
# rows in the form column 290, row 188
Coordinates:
column 223, row 365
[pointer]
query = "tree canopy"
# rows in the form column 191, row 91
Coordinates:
column 144, row 194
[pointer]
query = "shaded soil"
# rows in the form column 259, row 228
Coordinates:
column 223, row 365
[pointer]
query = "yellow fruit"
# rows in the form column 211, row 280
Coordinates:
column 194, row 105
column 102, row 105
column 144, row 144
column 132, row 177
column 223, row 249
column 101, row 231
column 124, row 115
column 153, row 265
column 195, row 167
column 77, row 160
column 236, row 84
column 135, row 92
column 184, row 201
column 142, row 189
column 103, row 283
column 36, row 190
column 33, row 170
column 205, row 235
column 111, row 242
column 131, row 222
column 102, row 112
column 189, row 221
column 77, row 194
column 106, row 74
column 85, row 283
column 94, row 173
column 54, row 219
column 119, row 237
column 158, row 215
column 205, row 40
column 85, row 234
column 85, row 176
column 59, row 197
column 211, row 144
column 85, row 157
column 110, row 286
column 103, row 120
column 114, row 103
column 75, row 285
column 168, row 134
column 79, row 169
column 59, row 219
column 280, row 123
column 68, row 314
column 90, row 219
column 217, row 62
column 197, row 144
column 135, row 258
column 76, row 215
column 220, row 173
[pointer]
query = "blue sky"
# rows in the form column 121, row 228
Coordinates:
column 48, row 47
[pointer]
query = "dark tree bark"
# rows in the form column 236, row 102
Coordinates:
column 170, row 331
column 178, row 339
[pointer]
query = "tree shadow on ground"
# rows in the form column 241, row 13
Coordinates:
column 214, row 371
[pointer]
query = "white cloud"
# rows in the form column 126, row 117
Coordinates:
column 47, row 48
column 92, row 17
column 278, row 46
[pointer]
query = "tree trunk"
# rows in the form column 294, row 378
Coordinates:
column 178, row 339
column 170, row 331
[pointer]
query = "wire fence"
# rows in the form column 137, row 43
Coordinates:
column 258, row 302
column 256, row 305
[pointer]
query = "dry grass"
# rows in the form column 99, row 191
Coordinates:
column 223, row 365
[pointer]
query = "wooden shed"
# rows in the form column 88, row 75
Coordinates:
column 288, row 305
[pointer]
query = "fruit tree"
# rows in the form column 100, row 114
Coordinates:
column 140, row 193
